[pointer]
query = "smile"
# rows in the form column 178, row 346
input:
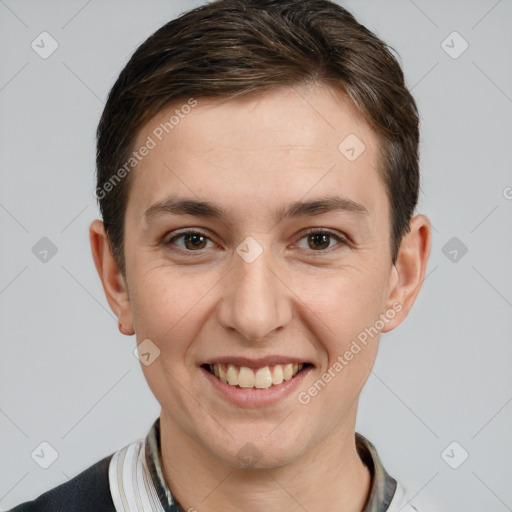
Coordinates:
column 259, row 378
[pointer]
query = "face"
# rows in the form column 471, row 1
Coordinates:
column 278, row 275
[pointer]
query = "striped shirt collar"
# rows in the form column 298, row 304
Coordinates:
column 137, row 483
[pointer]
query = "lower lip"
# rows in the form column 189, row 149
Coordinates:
column 252, row 397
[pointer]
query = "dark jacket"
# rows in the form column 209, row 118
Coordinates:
column 87, row 492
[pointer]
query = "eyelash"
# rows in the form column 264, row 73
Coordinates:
column 312, row 231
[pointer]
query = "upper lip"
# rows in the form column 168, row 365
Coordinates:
column 256, row 362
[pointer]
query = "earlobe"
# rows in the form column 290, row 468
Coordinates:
column 112, row 280
column 408, row 272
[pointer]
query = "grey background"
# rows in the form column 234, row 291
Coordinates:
column 69, row 378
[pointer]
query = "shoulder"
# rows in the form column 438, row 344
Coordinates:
column 87, row 492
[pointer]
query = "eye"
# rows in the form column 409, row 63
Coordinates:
column 319, row 239
column 193, row 241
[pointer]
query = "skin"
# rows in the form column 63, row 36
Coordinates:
column 298, row 298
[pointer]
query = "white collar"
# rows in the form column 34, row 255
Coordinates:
column 130, row 480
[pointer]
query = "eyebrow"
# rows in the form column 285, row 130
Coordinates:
column 189, row 206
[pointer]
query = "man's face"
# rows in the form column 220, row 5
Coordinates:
column 254, row 288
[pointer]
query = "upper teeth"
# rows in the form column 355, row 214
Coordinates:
column 260, row 378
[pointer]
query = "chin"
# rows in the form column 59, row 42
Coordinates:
column 258, row 452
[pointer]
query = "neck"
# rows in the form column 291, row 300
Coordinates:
column 329, row 477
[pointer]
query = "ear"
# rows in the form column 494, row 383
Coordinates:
column 408, row 272
column 114, row 283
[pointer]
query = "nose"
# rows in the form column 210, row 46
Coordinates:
column 256, row 301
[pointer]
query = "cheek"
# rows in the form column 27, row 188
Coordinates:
column 344, row 302
column 169, row 308
column 343, row 313
column 342, row 317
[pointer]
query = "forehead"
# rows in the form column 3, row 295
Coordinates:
column 272, row 147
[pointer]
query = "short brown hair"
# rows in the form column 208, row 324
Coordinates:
column 228, row 48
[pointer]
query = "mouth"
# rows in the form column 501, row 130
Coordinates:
column 256, row 378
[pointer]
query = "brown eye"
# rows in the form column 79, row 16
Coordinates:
column 321, row 241
column 193, row 241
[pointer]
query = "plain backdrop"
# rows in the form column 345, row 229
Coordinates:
column 68, row 378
